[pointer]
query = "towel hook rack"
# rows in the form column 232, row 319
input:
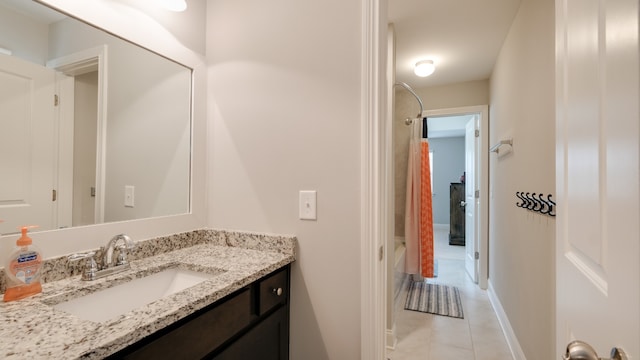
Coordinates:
column 536, row 202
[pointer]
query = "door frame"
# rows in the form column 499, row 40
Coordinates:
column 482, row 174
column 82, row 62
column 374, row 183
column 376, row 186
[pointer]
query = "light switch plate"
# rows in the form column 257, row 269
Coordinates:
column 129, row 199
column 307, row 208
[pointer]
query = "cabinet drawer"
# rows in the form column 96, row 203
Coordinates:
column 202, row 334
column 274, row 290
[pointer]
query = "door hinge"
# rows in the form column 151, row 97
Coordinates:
column 477, row 194
column 54, row 195
column 381, row 253
column 476, row 255
column 56, row 100
column 477, row 133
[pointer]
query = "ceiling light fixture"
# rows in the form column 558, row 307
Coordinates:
column 174, row 5
column 424, row 68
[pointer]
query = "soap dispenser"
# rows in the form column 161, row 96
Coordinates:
column 23, row 269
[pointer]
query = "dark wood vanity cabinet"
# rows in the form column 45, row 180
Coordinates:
column 251, row 323
column 270, row 337
column 456, row 214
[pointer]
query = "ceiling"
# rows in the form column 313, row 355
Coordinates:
column 463, row 37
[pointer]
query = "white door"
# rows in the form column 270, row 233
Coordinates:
column 598, row 184
column 26, row 145
column 470, row 201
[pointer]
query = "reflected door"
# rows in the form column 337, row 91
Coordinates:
column 26, row 145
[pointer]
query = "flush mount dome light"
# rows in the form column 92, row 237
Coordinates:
column 424, row 68
column 174, row 5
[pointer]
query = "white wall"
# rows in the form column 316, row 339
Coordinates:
column 521, row 243
column 23, row 36
column 284, row 105
column 448, row 166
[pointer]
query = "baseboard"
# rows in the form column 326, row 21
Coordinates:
column 512, row 340
column 392, row 340
column 441, row 226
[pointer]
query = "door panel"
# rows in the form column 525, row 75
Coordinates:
column 598, row 155
column 26, row 145
column 470, row 201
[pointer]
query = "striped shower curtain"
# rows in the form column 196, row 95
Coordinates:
column 418, row 211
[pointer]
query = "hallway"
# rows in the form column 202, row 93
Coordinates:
column 425, row 336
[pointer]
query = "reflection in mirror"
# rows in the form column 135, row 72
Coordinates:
column 93, row 128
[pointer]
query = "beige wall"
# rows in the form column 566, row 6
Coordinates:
column 437, row 97
column 284, row 109
column 521, row 243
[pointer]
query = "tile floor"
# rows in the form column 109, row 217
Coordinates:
column 432, row 337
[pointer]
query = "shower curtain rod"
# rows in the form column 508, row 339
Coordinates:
column 406, row 86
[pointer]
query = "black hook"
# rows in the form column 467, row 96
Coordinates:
column 544, row 205
column 537, row 205
column 521, row 199
column 527, row 202
column 552, row 203
column 531, row 204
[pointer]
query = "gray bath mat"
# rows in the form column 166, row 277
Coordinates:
column 434, row 299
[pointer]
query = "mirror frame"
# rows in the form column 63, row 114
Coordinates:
column 108, row 16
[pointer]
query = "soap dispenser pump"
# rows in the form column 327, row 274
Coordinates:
column 23, row 269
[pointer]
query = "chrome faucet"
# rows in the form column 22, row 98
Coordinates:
column 94, row 271
column 107, row 259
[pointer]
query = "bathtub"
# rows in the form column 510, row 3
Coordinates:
column 400, row 277
column 397, row 290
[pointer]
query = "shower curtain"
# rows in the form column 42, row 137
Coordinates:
column 412, row 204
column 418, row 212
column 426, row 214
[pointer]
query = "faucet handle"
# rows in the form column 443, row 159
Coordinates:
column 80, row 256
column 91, row 268
column 122, row 254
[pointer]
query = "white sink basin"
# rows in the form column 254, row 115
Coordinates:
column 117, row 300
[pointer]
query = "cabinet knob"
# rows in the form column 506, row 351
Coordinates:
column 277, row 291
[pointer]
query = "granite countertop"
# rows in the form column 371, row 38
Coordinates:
column 32, row 329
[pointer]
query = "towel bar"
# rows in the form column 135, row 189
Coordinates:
column 496, row 148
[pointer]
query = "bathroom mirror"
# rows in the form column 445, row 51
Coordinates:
column 93, row 128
